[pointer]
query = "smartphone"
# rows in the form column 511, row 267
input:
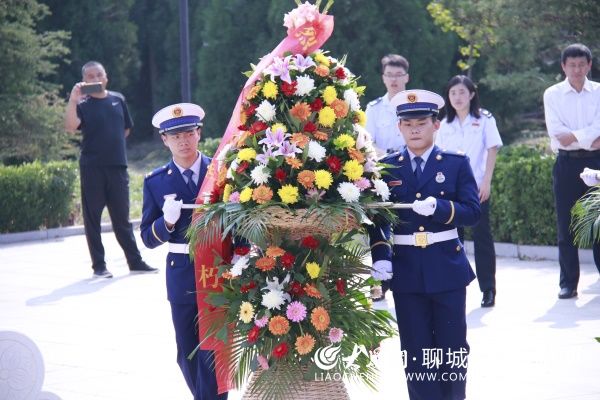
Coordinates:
column 89, row 88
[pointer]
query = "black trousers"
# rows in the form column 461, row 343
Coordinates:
column 485, row 253
column 568, row 188
column 107, row 187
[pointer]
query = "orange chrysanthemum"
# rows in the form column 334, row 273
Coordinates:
column 274, row 251
column 306, row 178
column 300, row 111
column 300, row 140
column 340, row 107
column 243, row 118
column 322, row 70
column 262, row 194
column 279, row 325
column 293, row 162
column 226, row 275
column 312, row 291
column 222, row 176
column 305, row 344
column 320, row 318
column 322, row 136
column 265, row 264
column 253, row 92
column 356, row 155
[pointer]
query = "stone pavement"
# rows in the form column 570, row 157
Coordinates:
column 113, row 339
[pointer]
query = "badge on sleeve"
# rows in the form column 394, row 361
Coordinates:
column 440, row 178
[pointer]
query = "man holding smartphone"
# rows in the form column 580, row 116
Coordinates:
column 104, row 120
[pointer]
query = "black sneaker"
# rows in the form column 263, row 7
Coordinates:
column 102, row 273
column 143, row 268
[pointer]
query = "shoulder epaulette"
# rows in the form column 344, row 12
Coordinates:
column 390, row 157
column 485, row 113
column 157, row 171
column 377, row 100
column 454, row 153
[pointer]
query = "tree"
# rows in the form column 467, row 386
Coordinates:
column 31, row 116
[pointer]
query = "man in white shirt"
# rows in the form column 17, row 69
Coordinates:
column 572, row 109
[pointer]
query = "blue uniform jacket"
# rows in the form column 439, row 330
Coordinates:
column 441, row 266
column 181, row 281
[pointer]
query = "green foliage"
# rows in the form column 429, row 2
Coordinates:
column 208, row 146
column 586, row 218
column 523, row 209
column 36, row 195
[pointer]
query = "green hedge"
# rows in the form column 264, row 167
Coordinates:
column 36, row 195
column 522, row 200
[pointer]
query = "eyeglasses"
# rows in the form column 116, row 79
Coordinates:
column 395, row 76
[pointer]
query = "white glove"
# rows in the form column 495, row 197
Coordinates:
column 172, row 210
column 425, row 207
column 590, row 176
column 382, row 270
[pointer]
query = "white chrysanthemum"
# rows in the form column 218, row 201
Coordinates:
column 351, row 98
column 382, row 189
column 240, row 265
column 273, row 299
column 306, row 85
column 265, row 111
column 349, row 192
column 260, row 175
column 223, row 152
column 363, row 137
column 316, row 151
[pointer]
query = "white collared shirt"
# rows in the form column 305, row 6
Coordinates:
column 195, row 169
column 424, row 156
column 569, row 111
column 474, row 137
column 382, row 124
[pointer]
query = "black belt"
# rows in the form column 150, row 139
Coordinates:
column 579, row 153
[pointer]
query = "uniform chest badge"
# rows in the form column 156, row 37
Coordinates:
column 395, row 183
column 440, row 178
column 475, row 124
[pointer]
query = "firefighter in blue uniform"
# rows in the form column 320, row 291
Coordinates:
column 164, row 221
column 423, row 255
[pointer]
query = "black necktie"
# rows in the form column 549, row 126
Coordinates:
column 190, row 182
column 418, row 171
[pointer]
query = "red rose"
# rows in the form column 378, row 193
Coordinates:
column 257, row 127
column 316, row 105
column 242, row 167
column 287, row 260
column 296, row 289
column 280, row 175
column 249, row 110
column 310, row 242
column 253, row 334
column 334, row 164
column 242, row 128
column 340, row 285
column 280, row 350
column 289, row 89
column 242, row 250
column 340, row 73
column 310, row 127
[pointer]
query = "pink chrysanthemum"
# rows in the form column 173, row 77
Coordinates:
column 261, row 322
column 296, row 311
column 335, row 335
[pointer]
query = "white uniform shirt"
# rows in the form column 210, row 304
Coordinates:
column 474, row 137
column 568, row 111
column 195, row 169
column 382, row 124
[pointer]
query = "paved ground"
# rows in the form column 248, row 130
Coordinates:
column 113, row 339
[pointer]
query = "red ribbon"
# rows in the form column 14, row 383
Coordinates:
column 304, row 40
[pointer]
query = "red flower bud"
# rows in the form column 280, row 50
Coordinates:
column 253, row 334
column 280, row 175
column 280, row 350
column 310, row 127
column 340, row 285
column 316, row 105
column 287, row 260
column 310, row 242
column 340, row 73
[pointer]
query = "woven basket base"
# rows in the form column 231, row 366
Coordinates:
column 310, row 390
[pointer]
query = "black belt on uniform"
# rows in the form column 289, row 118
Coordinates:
column 579, row 153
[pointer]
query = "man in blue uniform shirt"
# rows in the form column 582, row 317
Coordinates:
column 166, row 189
column 423, row 255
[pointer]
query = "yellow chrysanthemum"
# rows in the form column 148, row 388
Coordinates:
column 227, row 192
column 246, row 195
column 278, row 125
column 246, row 312
column 246, row 154
column 327, row 117
column 362, row 118
column 322, row 59
column 270, row 90
column 344, row 141
column 288, row 194
column 329, row 94
column 353, row 170
column 360, row 90
column 313, row 269
column 323, row 179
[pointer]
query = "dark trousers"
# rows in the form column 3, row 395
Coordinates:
column 568, row 188
column 107, row 187
column 434, row 323
column 198, row 372
column 485, row 253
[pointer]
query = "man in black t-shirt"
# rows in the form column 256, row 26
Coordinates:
column 104, row 120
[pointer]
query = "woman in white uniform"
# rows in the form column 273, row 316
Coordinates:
column 469, row 129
